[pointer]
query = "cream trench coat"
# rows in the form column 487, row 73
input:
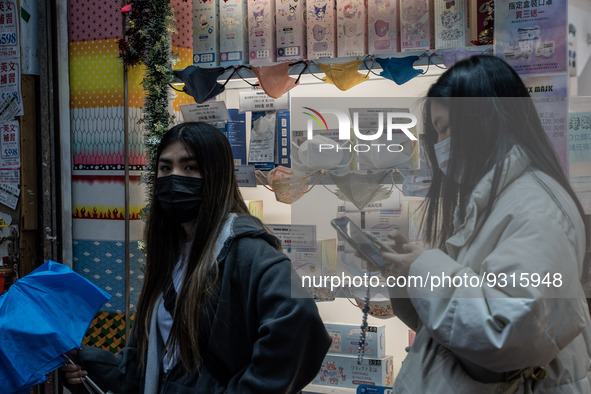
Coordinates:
column 495, row 328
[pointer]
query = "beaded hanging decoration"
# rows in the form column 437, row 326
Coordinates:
column 361, row 347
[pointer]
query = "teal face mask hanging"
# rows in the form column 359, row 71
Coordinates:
column 399, row 69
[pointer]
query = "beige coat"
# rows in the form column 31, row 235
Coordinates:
column 534, row 228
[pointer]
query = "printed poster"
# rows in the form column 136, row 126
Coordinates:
column 550, row 96
column 10, row 65
column 10, row 155
column 531, row 35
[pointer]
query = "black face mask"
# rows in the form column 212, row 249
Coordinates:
column 179, row 196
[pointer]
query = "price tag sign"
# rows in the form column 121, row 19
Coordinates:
column 258, row 101
column 245, row 176
column 295, row 235
column 214, row 111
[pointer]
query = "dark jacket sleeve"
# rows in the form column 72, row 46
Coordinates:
column 291, row 338
column 118, row 373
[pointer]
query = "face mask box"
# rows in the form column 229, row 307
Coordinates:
column 382, row 26
column 351, row 28
column 343, row 371
column 206, row 46
column 345, row 339
column 415, row 25
column 321, row 29
column 290, row 26
column 236, row 134
column 450, row 23
column 261, row 31
column 233, row 33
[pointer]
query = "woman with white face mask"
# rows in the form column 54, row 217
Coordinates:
column 498, row 301
column 219, row 311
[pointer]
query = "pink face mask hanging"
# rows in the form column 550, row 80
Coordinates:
column 275, row 80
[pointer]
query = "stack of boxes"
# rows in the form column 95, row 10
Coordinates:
column 340, row 367
column 262, row 32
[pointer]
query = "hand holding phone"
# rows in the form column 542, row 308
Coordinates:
column 360, row 241
column 382, row 245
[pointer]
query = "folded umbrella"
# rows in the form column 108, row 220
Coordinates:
column 42, row 316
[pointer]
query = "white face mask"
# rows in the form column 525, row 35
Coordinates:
column 442, row 150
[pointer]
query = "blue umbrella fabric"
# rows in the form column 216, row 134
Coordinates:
column 42, row 316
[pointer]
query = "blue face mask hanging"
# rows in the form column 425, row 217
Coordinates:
column 399, row 70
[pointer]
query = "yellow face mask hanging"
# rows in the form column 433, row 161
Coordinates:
column 344, row 76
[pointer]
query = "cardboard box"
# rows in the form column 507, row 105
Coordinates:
column 233, row 33
column 415, row 25
column 345, row 339
column 206, row 45
column 290, row 27
column 450, row 24
column 351, row 28
column 382, row 26
column 261, row 32
column 321, row 29
column 343, row 371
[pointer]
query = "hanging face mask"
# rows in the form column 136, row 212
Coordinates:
column 287, row 184
column 399, row 70
column 201, row 83
column 180, row 196
column 361, row 188
column 316, row 154
column 274, row 80
column 344, row 76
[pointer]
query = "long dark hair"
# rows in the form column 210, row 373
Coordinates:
column 164, row 237
column 490, row 112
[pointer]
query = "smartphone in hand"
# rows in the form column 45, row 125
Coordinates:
column 360, row 241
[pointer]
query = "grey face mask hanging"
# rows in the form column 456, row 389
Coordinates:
column 361, row 187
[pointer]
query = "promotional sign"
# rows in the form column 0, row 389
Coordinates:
column 531, row 35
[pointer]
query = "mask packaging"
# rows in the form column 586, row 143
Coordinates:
column 206, row 45
column 415, row 25
column 450, row 24
column 236, row 134
column 233, row 33
column 261, row 151
column 321, row 29
column 382, row 27
column 416, row 183
column 351, row 28
column 283, row 148
column 261, row 32
column 290, row 27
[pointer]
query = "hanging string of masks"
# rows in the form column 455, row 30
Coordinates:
column 202, row 83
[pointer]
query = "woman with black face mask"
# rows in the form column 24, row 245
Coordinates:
column 218, row 311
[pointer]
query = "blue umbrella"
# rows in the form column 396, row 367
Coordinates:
column 42, row 316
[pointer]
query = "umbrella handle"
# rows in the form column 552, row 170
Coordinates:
column 88, row 383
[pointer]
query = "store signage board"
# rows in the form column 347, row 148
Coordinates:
column 257, row 101
column 295, row 235
column 245, row 176
column 532, row 35
column 213, row 111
